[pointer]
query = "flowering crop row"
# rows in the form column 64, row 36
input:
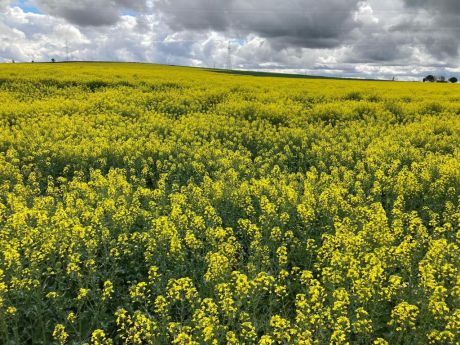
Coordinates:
column 156, row 205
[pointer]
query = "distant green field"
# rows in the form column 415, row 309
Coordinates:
column 145, row 204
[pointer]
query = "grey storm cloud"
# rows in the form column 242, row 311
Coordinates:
column 440, row 31
column 409, row 32
column 380, row 48
column 307, row 23
column 443, row 6
column 90, row 12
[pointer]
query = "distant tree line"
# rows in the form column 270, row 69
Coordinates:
column 439, row 79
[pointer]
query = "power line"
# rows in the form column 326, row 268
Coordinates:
column 300, row 11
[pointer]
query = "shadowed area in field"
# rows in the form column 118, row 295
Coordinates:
column 279, row 75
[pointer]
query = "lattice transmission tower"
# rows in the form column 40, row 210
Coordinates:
column 67, row 55
column 229, row 56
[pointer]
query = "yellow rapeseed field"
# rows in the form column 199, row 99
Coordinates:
column 144, row 204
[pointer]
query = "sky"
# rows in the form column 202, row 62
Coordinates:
column 405, row 39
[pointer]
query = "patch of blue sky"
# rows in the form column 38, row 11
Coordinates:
column 27, row 6
column 128, row 12
column 238, row 41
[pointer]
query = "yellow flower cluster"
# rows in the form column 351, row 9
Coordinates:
column 404, row 317
column 161, row 205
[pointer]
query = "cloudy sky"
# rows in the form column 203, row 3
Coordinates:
column 374, row 38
